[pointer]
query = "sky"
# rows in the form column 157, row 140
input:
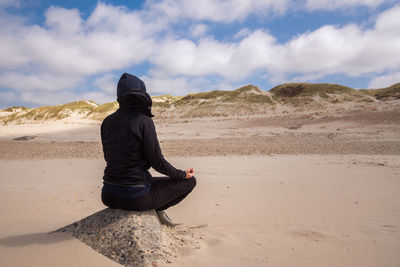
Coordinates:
column 54, row 52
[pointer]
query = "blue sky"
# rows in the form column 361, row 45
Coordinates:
column 54, row 52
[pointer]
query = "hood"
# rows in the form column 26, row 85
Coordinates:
column 130, row 84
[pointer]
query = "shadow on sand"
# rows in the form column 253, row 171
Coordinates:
column 31, row 239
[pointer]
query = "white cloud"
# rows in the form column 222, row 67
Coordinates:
column 184, row 57
column 341, row 4
column 349, row 50
column 107, row 83
column 159, row 83
column 67, row 49
column 68, row 45
column 98, row 97
column 168, row 85
column 56, row 58
column 7, row 97
column 37, row 81
column 217, row 10
column 385, row 80
column 198, row 30
column 242, row 33
column 258, row 51
column 48, row 97
column 227, row 11
column 65, row 21
column 388, row 20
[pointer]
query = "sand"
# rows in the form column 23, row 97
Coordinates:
column 258, row 211
column 354, row 133
column 310, row 195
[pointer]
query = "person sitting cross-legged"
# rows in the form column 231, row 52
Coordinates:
column 131, row 147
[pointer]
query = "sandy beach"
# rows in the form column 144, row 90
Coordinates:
column 270, row 192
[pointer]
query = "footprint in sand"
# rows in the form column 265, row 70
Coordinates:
column 390, row 228
column 310, row 235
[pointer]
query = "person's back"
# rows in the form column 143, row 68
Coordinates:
column 131, row 147
column 122, row 147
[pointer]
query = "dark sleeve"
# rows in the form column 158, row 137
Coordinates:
column 102, row 138
column 153, row 153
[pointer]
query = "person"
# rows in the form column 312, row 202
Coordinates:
column 130, row 148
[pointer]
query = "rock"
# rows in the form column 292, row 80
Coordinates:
column 128, row 237
column 25, row 138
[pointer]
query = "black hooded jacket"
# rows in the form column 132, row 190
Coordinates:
column 131, row 147
column 130, row 143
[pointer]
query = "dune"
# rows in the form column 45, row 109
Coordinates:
column 247, row 100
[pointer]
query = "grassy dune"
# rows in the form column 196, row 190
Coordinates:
column 388, row 93
column 102, row 111
column 246, row 100
column 243, row 101
column 306, row 93
column 22, row 114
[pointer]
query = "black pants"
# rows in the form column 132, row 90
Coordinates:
column 164, row 193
